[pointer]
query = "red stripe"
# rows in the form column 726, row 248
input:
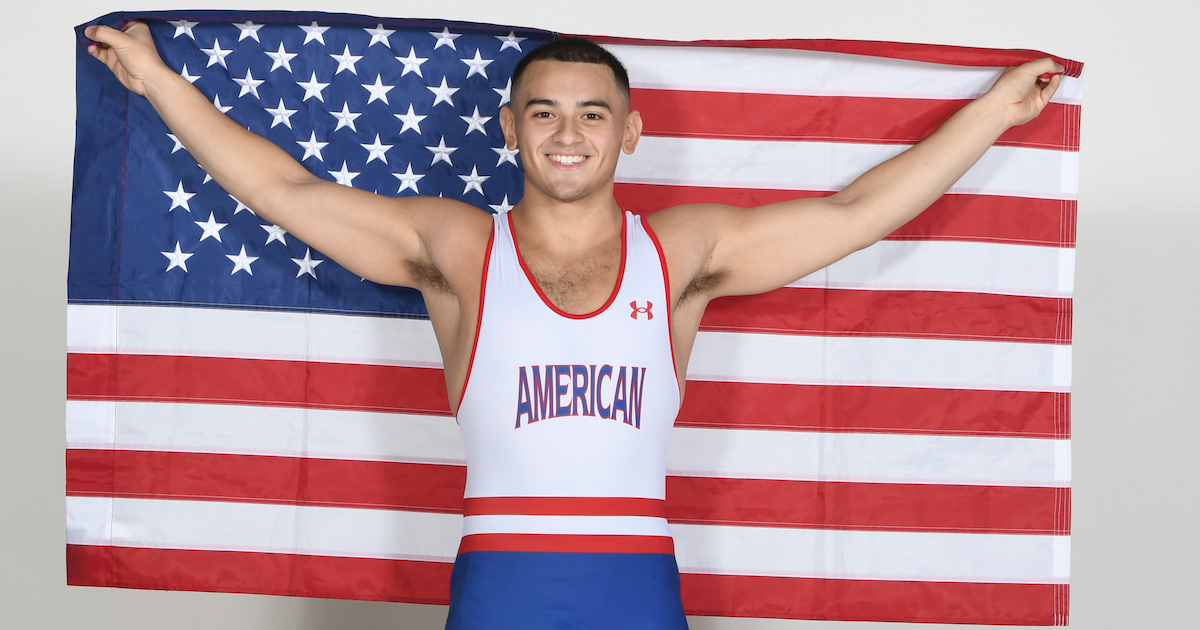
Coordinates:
column 567, row 543
column 929, row 53
column 429, row 582
column 874, row 600
column 437, row 488
column 747, row 116
column 979, row 218
column 266, row 479
column 262, row 573
column 875, row 409
column 920, row 314
column 257, row 382
column 707, row 403
column 566, row 506
column 867, row 506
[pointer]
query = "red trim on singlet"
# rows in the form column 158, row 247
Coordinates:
column 566, row 506
column 662, row 259
column 487, row 263
column 567, row 543
column 546, row 300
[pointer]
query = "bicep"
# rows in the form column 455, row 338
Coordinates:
column 754, row 250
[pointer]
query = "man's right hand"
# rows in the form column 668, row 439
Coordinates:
column 129, row 53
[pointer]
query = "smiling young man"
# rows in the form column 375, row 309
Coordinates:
column 565, row 325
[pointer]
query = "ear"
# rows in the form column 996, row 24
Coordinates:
column 508, row 123
column 633, row 132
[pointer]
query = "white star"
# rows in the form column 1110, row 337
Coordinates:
column 250, row 29
column 313, row 88
column 312, row 147
column 408, row 180
column 191, row 78
column 344, row 176
column 442, row 93
column 412, row 63
column 442, row 152
column 314, row 31
column 504, row 92
column 506, row 155
column 378, row 91
column 377, row 151
column 474, row 180
column 211, row 228
column 282, row 58
column 502, row 206
column 240, row 206
column 183, row 27
column 274, row 233
column 216, row 55
column 510, row 41
column 307, row 264
column 178, row 145
column 346, row 61
column 477, row 65
column 345, row 118
column 179, row 198
column 249, row 84
column 445, row 38
column 411, row 120
column 475, row 121
column 379, row 35
column 207, row 177
column 281, row 115
column 217, row 102
column 242, row 262
column 177, row 258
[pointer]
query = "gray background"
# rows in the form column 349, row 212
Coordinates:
column 1135, row 430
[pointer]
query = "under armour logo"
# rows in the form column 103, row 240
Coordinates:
column 641, row 309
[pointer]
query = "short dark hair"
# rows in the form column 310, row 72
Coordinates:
column 574, row 50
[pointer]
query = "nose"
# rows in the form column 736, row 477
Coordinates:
column 567, row 131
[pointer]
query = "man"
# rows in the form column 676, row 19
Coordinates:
column 565, row 399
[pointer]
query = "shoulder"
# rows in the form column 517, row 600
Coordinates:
column 689, row 235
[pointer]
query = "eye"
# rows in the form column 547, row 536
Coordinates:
column 592, row 116
column 542, row 114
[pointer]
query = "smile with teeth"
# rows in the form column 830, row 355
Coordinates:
column 567, row 159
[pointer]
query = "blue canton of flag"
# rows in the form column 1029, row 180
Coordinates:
column 399, row 108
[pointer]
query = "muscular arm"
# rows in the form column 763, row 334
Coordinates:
column 720, row 250
column 386, row 240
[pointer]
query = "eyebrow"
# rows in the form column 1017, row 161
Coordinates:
column 553, row 103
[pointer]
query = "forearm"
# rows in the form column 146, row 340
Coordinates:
column 249, row 167
column 890, row 194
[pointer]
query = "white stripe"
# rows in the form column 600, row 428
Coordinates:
column 801, row 165
column 997, row 268
column 777, row 71
column 260, row 527
column 588, row 525
column 872, row 555
column 256, row 334
column 880, row 361
column 347, row 532
column 257, row 430
column 736, row 453
column 869, row 457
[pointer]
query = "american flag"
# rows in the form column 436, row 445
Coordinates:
column 886, row 439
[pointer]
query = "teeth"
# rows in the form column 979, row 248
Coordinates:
column 567, row 159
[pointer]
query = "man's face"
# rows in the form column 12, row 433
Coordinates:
column 570, row 121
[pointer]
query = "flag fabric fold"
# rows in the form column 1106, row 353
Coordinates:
column 886, row 439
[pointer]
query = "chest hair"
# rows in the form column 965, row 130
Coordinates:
column 577, row 286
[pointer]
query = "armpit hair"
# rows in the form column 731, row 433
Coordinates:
column 429, row 278
column 702, row 284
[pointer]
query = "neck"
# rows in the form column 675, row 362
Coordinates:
column 562, row 227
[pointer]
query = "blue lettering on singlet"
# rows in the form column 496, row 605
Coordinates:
column 555, row 391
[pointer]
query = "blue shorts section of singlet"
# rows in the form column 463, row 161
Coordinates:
column 501, row 590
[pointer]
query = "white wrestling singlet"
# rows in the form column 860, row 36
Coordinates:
column 566, row 419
